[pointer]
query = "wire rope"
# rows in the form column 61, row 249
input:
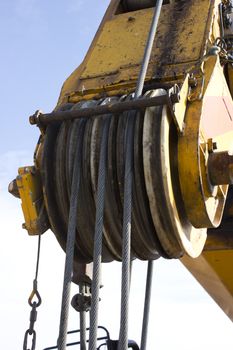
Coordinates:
column 98, row 239
column 70, row 247
column 123, row 337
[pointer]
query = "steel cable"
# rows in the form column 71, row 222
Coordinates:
column 38, row 256
column 34, row 301
column 98, row 239
column 125, row 279
column 70, row 246
column 127, row 212
column 145, row 244
column 148, row 49
column 126, row 236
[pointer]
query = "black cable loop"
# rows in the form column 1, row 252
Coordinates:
column 34, row 293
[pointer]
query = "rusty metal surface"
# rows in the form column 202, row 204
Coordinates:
column 220, row 168
column 220, row 238
column 113, row 62
column 13, row 189
column 119, row 50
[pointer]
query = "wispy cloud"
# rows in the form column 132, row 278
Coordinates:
column 27, row 8
column 75, row 6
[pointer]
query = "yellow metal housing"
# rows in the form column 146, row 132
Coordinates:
column 113, row 61
column 30, row 191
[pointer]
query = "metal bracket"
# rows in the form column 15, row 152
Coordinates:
column 111, row 108
column 180, row 108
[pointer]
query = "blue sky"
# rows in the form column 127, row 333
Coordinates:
column 42, row 42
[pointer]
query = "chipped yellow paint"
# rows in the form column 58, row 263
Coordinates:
column 113, row 62
column 30, row 190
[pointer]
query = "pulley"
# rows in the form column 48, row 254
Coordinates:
column 57, row 160
column 160, row 225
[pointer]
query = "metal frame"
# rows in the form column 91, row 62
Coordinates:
column 107, row 337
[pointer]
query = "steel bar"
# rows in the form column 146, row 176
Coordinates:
column 119, row 107
column 146, row 312
column 82, row 317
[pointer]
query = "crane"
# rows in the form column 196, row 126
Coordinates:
column 170, row 129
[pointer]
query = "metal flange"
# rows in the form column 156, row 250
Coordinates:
column 175, row 232
column 204, row 202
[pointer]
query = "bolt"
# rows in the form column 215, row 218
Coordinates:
column 175, row 98
column 13, row 188
column 174, row 94
column 35, row 118
column 192, row 81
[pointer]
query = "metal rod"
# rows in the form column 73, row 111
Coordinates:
column 146, row 312
column 44, row 119
column 82, row 315
column 83, row 339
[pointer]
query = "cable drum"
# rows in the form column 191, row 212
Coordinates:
column 159, row 225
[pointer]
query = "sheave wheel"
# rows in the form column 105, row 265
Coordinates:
column 176, row 234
